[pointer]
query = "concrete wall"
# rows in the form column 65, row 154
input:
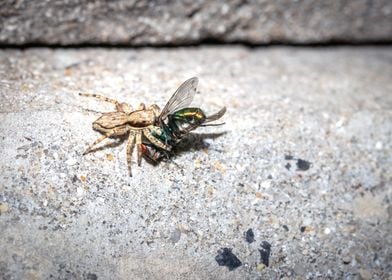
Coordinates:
column 187, row 22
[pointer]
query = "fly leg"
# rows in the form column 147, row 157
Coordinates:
column 149, row 156
column 130, row 146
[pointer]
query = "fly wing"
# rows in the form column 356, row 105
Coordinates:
column 181, row 98
column 215, row 116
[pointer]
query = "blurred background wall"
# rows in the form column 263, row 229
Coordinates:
column 140, row 23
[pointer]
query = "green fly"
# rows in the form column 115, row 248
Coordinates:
column 177, row 119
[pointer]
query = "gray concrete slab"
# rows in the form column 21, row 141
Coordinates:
column 304, row 160
column 147, row 22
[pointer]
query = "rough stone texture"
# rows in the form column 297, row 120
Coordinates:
column 304, row 160
column 190, row 22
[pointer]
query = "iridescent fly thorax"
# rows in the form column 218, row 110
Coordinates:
column 189, row 115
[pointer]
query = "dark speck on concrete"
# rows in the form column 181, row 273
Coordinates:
column 250, row 236
column 175, row 236
column 91, row 276
column 288, row 157
column 302, row 228
column 286, row 228
column 288, row 166
column 226, row 258
column 265, row 251
column 303, row 165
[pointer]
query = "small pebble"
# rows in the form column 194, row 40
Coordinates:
column 379, row 145
column 260, row 266
column 300, row 269
column 4, row 208
column 175, row 236
column 197, row 163
column 265, row 184
column 71, row 161
column 79, row 192
column 365, row 274
column 346, row 259
column 109, row 157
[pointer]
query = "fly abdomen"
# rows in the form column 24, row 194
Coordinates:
column 189, row 115
column 185, row 120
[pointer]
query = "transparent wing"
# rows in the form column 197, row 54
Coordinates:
column 181, row 98
column 215, row 116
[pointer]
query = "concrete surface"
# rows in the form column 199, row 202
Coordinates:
column 304, row 160
column 189, row 22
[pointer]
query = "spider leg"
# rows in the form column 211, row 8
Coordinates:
column 120, row 107
column 139, row 147
column 142, row 106
column 102, row 98
column 117, row 131
column 130, row 146
column 100, row 139
column 92, row 111
column 124, row 107
column 155, row 141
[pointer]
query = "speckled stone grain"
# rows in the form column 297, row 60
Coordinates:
column 304, row 160
column 153, row 22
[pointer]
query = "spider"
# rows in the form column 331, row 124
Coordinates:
column 149, row 125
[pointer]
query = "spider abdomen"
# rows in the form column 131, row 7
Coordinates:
column 111, row 120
